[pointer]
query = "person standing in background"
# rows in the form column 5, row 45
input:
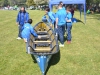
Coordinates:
column 8, row 7
column 72, row 11
column 68, row 25
column 63, row 5
column 60, row 23
column 51, row 16
column 22, row 18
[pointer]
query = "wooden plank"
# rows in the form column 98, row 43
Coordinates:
column 44, row 35
column 41, row 31
column 42, row 42
column 43, row 49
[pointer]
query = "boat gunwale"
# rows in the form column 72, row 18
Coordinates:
column 47, row 53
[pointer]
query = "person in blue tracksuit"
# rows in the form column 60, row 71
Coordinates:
column 69, row 25
column 22, row 18
column 51, row 16
column 44, row 19
column 60, row 24
column 27, row 31
column 62, row 5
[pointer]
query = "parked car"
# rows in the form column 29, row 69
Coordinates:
column 32, row 8
column 5, row 8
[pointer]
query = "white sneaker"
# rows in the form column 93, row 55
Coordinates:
column 18, row 38
column 61, row 45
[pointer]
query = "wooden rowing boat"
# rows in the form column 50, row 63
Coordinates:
column 43, row 48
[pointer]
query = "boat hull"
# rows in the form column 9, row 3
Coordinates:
column 43, row 48
column 43, row 62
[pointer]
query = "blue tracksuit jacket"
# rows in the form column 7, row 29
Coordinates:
column 22, row 18
column 69, row 16
column 51, row 16
column 27, row 31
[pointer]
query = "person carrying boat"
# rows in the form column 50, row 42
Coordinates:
column 69, row 25
column 27, row 31
column 22, row 18
column 51, row 16
column 60, row 23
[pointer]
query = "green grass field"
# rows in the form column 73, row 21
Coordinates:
column 81, row 57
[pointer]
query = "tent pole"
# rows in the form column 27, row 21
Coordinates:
column 80, row 11
column 50, row 7
column 85, row 13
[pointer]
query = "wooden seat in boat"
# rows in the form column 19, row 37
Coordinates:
column 36, row 42
column 43, row 45
column 42, row 49
column 47, row 44
column 42, row 32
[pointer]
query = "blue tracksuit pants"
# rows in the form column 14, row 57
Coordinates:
column 60, row 32
column 20, row 30
column 68, row 31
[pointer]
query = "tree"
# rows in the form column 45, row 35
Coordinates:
column 5, row 2
column 30, row 2
column 11, row 2
column 18, row 2
column 41, row 1
column 89, row 2
column 1, row 1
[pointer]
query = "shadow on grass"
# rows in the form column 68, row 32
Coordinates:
column 65, row 37
column 80, row 21
column 34, row 60
column 53, row 61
